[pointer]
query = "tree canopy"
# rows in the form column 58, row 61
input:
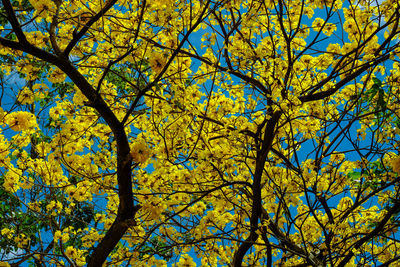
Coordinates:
column 212, row 132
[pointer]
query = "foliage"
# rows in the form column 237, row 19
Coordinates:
column 243, row 133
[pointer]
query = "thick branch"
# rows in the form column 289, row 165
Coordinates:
column 14, row 21
column 257, row 199
column 126, row 209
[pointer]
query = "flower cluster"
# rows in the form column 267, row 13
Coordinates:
column 21, row 120
column 140, row 152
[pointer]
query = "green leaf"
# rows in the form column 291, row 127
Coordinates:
column 377, row 82
column 354, row 175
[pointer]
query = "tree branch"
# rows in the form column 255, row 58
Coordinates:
column 257, row 199
column 126, row 209
column 86, row 27
column 14, row 21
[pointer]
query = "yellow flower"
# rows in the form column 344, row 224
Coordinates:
column 12, row 180
column 317, row 24
column 21, row 120
column 40, row 90
column 396, row 164
column 329, row 29
column 186, row 261
column 157, row 62
column 56, row 76
column 44, row 9
column 54, row 207
column 9, row 233
column 26, row 96
column 140, row 152
column 71, row 252
column 22, row 240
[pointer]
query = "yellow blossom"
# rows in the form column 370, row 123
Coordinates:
column 26, row 96
column 56, row 76
column 21, row 120
column 70, row 252
column 157, row 62
column 396, row 164
column 186, row 261
column 7, row 232
column 140, row 152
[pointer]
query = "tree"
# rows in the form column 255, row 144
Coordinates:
column 243, row 132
